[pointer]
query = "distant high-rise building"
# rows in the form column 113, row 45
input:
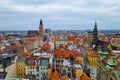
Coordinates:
column 95, row 34
column 41, row 29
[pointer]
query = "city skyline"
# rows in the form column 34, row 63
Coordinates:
column 60, row 14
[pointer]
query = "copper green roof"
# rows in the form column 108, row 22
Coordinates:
column 103, row 52
column 117, row 73
column 108, row 67
column 112, row 62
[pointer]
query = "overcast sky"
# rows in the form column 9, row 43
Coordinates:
column 59, row 14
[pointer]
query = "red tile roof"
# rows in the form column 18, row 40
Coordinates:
column 84, row 77
column 65, row 53
column 91, row 52
column 55, row 75
column 64, row 77
column 13, row 48
column 30, row 61
column 28, row 53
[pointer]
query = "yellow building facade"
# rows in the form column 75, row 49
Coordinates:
column 20, row 67
column 92, row 59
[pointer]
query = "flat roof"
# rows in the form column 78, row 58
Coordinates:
column 66, row 62
column 77, row 66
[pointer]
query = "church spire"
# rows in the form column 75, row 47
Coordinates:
column 41, row 23
column 41, row 29
column 95, row 26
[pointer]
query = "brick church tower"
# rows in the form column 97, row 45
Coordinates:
column 41, row 32
column 41, row 29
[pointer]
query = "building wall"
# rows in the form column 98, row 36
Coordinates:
column 35, row 44
column 58, row 43
column 78, row 73
column 32, row 46
column 49, row 73
column 81, row 58
column 102, row 73
column 30, row 70
column 92, row 61
column 90, row 38
column 57, row 64
column 43, row 72
column 68, row 71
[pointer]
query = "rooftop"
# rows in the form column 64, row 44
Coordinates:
column 66, row 62
column 77, row 66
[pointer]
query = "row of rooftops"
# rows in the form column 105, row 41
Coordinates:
column 110, row 60
column 7, row 55
column 32, row 60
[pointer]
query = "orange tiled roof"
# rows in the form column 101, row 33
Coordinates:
column 84, row 77
column 116, row 68
column 28, row 53
column 91, row 52
column 118, row 62
column 102, row 37
column 84, row 38
column 58, row 53
column 118, row 57
column 1, row 51
column 71, row 37
column 105, row 60
column 46, row 47
column 55, row 75
column 67, row 54
column 13, row 47
column 114, row 36
column 86, row 48
column 64, row 78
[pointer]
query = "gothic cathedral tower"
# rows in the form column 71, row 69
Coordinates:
column 95, row 34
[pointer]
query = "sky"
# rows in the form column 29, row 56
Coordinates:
column 59, row 14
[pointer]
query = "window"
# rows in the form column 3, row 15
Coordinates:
column 37, row 75
column 30, row 67
column 37, row 68
column 30, row 72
